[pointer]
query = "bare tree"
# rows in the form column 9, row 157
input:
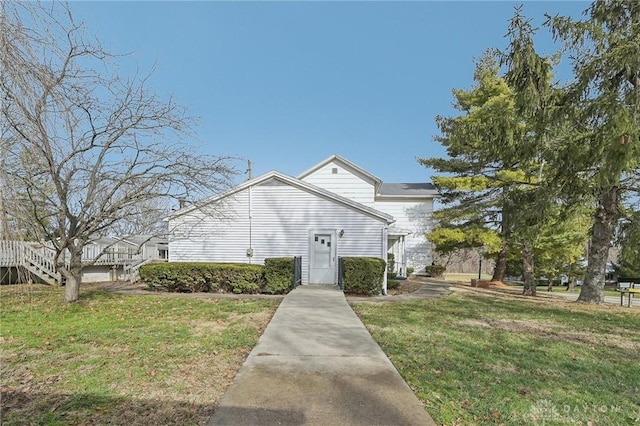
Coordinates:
column 89, row 150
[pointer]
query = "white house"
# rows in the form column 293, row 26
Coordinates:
column 410, row 204
column 335, row 209
column 114, row 259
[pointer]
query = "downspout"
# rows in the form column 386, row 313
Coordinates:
column 250, row 249
column 403, row 251
column 383, row 256
column 404, row 255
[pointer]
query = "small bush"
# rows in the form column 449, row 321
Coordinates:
column 391, row 276
column 191, row 277
column 242, row 286
column 175, row 277
column 363, row 275
column 435, row 270
column 278, row 273
column 410, row 271
column 393, row 284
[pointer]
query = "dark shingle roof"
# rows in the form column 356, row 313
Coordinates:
column 408, row 190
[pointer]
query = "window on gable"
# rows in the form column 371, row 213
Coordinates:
column 334, row 171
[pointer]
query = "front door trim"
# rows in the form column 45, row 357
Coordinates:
column 316, row 275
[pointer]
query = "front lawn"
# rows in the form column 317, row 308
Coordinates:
column 478, row 357
column 112, row 359
column 563, row 289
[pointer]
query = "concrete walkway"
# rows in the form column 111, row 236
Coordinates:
column 316, row 364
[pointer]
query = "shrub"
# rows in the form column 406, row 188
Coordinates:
column 363, row 275
column 235, row 277
column 435, row 270
column 409, row 271
column 391, row 276
column 175, row 277
column 203, row 277
column 278, row 273
column 392, row 284
column 244, row 286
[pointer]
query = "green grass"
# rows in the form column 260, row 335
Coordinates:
column 563, row 289
column 119, row 359
column 480, row 358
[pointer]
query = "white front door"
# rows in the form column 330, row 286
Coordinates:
column 322, row 258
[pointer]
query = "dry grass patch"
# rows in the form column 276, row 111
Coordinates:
column 552, row 330
column 406, row 286
column 113, row 359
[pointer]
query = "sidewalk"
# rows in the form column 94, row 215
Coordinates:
column 316, row 364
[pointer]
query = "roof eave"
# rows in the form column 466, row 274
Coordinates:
column 425, row 196
column 292, row 181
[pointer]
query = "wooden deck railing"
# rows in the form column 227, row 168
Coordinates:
column 37, row 258
column 40, row 258
column 11, row 253
column 118, row 254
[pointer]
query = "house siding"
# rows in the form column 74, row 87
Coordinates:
column 343, row 183
column 99, row 273
column 282, row 215
column 414, row 215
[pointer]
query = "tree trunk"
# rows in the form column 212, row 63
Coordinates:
column 73, row 276
column 527, row 270
column 592, row 290
column 500, row 270
column 571, row 283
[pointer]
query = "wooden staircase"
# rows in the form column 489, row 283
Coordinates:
column 41, row 263
column 131, row 270
column 35, row 258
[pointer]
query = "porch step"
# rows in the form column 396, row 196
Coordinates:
column 42, row 274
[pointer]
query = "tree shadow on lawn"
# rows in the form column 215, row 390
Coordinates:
column 495, row 303
column 19, row 407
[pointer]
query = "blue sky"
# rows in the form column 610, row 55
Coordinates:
column 287, row 84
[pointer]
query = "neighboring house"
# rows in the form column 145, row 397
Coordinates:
column 115, row 259
column 335, row 209
column 105, row 259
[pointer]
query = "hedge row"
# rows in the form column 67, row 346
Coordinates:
column 363, row 275
column 278, row 274
column 191, row 277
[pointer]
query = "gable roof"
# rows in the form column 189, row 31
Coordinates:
column 407, row 190
column 289, row 180
column 359, row 171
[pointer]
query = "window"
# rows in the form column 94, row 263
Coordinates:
column 334, row 171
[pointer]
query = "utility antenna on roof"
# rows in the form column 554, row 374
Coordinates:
column 249, row 170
